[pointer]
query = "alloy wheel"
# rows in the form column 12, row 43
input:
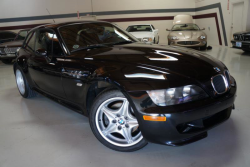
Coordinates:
column 20, row 82
column 117, row 124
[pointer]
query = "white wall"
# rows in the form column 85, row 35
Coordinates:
column 38, row 8
column 29, row 8
column 227, row 14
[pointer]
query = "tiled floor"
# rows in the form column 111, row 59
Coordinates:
column 38, row 132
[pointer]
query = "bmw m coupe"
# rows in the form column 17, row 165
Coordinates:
column 133, row 93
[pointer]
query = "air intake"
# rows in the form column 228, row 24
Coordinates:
column 220, row 84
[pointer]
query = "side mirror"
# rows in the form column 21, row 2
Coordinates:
column 41, row 52
column 167, row 29
column 203, row 29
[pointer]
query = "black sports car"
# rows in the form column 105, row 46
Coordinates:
column 133, row 93
column 241, row 41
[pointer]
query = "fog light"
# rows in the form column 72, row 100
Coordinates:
column 154, row 118
column 204, row 42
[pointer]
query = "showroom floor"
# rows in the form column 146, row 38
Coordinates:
column 38, row 132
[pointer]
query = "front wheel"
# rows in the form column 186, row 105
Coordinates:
column 114, row 124
column 203, row 47
column 245, row 50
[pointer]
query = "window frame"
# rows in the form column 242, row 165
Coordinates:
column 50, row 29
column 27, row 40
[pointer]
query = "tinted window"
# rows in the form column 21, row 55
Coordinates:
column 21, row 35
column 82, row 35
column 153, row 27
column 9, row 35
column 185, row 27
column 136, row 28
column 47, row 40
column 31, row 40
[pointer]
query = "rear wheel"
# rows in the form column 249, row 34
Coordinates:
column 114, row 124
column 7, row 61
column 158, row 40
column 23, row 85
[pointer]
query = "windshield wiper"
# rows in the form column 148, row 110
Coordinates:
column 122, row 42
column 90, row 47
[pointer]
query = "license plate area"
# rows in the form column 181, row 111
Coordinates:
column 239, row 44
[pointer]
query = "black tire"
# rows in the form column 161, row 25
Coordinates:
column 101, row 99
column 245, row 50
column 29, row 93
column 154, row 41
column 203, row 47
column 7, row 61
column 158, row 40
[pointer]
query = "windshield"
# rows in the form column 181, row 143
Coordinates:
column 83, row 35
column 21, row 35
column 185, row 27
column 137, row 28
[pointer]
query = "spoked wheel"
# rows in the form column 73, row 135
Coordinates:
column 114, row 123
column 23, row 85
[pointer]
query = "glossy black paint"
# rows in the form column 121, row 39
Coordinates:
column 75, row 79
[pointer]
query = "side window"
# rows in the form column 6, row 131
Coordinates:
column 153, row 27
column 31, row 40
column 47, row 40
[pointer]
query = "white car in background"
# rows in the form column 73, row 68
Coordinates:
column 144, row 33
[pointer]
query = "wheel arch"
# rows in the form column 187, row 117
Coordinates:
column 97, row 87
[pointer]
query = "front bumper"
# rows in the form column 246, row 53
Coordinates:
column 245, row 44
column 185, row 123
column 187, row 43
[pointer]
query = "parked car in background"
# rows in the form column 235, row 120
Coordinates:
column 187, row 34
column 6, row 36
column 144, row 33
column 8, row 49
column 241, row 40
column 133, row 93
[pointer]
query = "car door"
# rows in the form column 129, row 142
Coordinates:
column 45, row 63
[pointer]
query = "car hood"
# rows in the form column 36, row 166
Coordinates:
column 142, row 62
column 12, row 44
column 242, row 33
column 187, row 34
column 142, row 34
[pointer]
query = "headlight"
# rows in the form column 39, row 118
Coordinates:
column 172, row 96
column 147, row 39
column 202, row 37
column 174, row 38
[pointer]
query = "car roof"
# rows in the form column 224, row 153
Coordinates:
column 140, row 25
column 56, row 25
